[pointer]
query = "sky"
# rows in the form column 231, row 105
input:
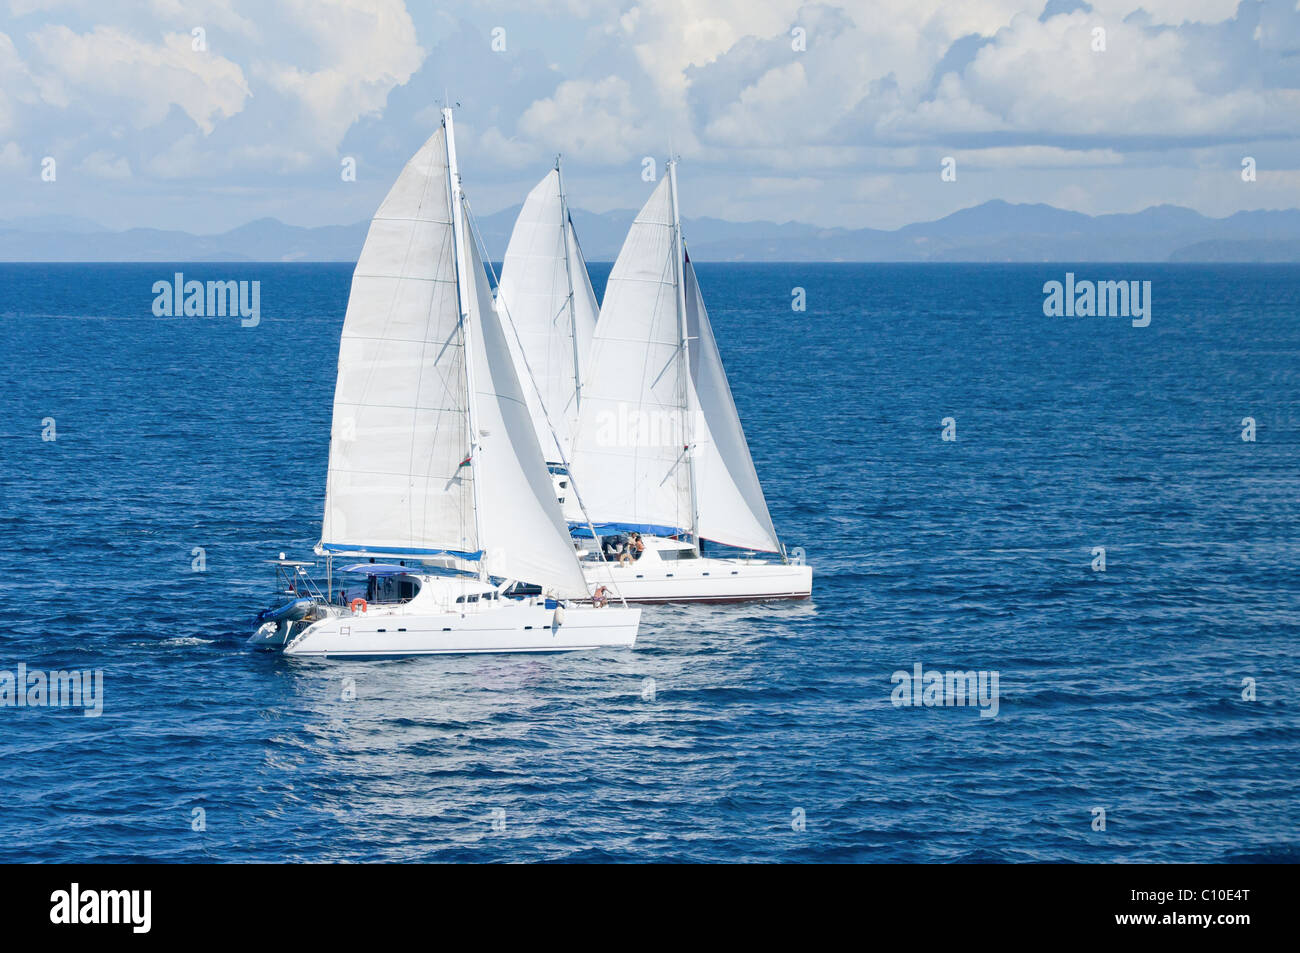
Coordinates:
column 203, row 115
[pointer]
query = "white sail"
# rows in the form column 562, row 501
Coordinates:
column 641, row 409
column 732, row 508
column 629, row 457
column 542, row 266
column 524, row 535
column 404, row 477
column 396, row 483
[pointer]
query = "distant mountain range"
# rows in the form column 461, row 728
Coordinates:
column 993, row 232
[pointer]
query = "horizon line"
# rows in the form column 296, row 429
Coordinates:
column 7, row 224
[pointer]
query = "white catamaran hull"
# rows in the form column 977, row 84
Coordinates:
column 669, row 570
column 703, row 580
column 510, row 628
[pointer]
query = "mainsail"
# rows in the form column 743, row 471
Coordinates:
column 630, row 459
column 421, row 463
column 396, row 482
column 546, row 293
column 660, row 447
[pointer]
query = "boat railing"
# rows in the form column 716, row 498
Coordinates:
column 292, row 579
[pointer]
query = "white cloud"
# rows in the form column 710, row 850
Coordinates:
column 21, row 8
column 102, row 164
column 599, row 120
column 670, row 36
column 1168, row 12
column 930, row 73
column 15, row 82
column 365, row 48
column 13, row 159
column 506, row 152
column 1023, row 157
column 182, row 159
column 215, row 16
column 749, row 120
column 854, row 125
column 1045, row 79
column 108, row 68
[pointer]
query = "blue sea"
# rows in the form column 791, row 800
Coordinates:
column 1161, row 690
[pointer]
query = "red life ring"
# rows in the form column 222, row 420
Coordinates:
column 600, row 597
column 358, row 601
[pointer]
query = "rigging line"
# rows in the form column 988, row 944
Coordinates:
column 564, row 307
column 473, row 227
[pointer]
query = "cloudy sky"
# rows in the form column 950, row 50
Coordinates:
column 832, row 113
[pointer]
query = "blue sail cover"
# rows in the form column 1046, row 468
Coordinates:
column 380, row 569
column 582, row 531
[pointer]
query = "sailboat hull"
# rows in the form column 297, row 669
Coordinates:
column 702, row 580
column 511, row 627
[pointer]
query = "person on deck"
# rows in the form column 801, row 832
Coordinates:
column 633, row 550
column 613, row 546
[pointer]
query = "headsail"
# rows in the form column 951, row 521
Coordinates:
column 396, row 482
column 524, row 533
column 629, row 456
column 547, row 293
column 730, row 498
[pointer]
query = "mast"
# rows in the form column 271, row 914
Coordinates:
column 577, row 373
column 466, row 329
column 683, row 352
column 568, row 274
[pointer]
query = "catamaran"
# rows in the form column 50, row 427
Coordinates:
column 437, row 489
column 657, row 456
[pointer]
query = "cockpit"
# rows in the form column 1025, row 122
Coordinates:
column 386, row 583
column 381, row 589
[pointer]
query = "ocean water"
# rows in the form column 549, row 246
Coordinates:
column 1119, row 689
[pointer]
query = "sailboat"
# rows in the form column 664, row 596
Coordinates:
column 659, row 454
column 437, row 490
